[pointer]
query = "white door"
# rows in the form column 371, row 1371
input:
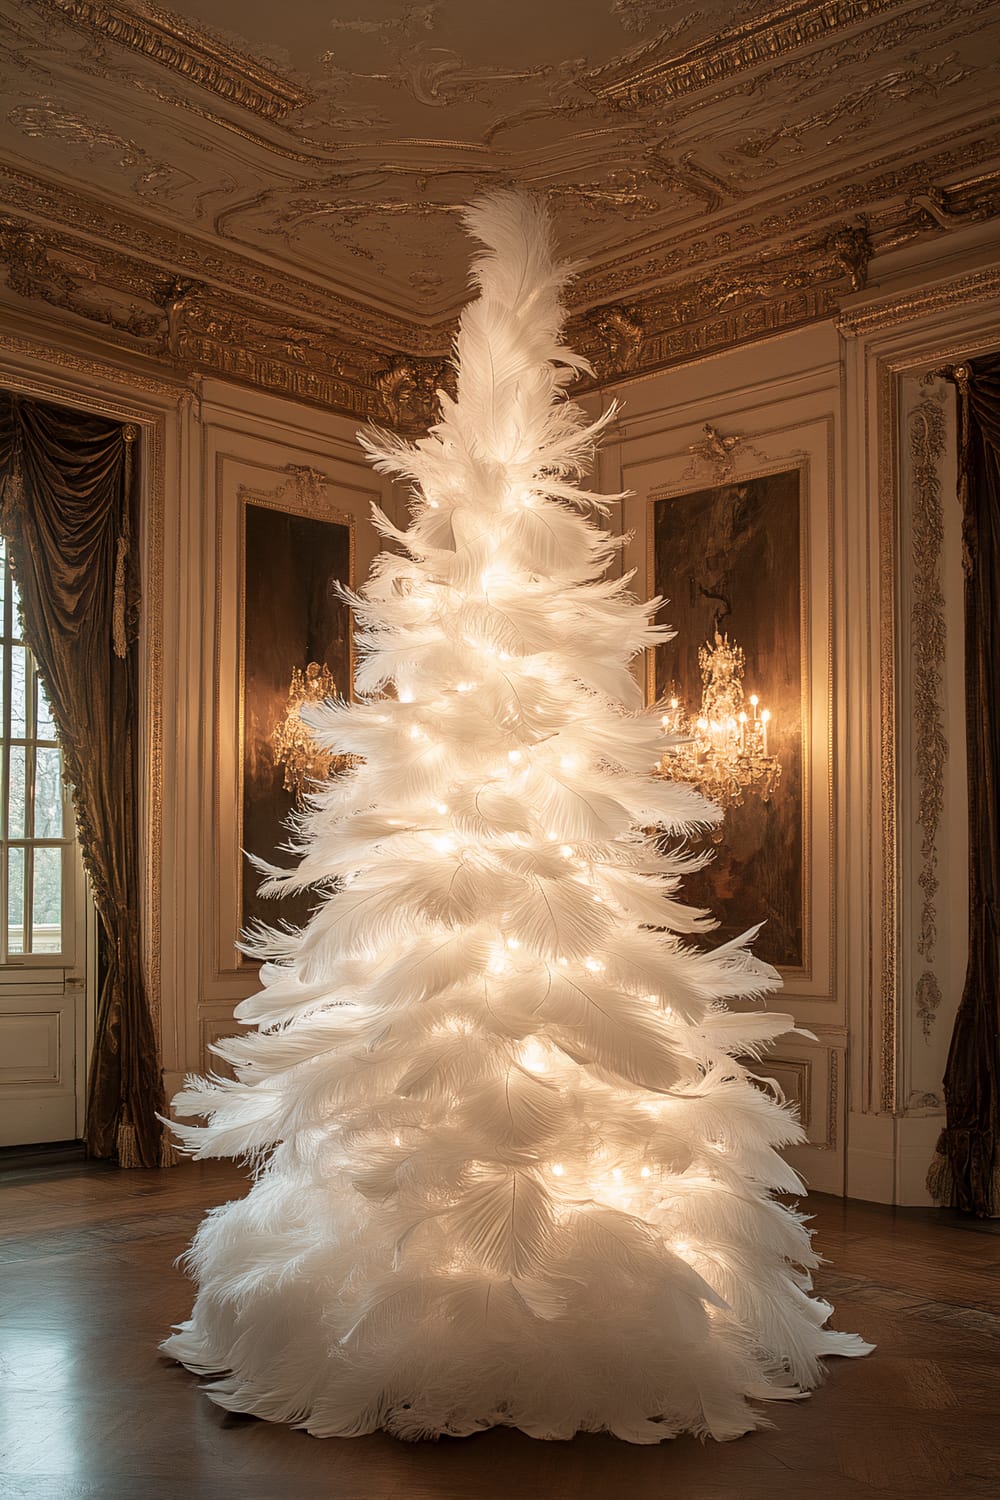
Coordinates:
column 43, row 909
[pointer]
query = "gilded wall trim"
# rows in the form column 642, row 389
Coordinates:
column 887, row 994
column 187, row 51
column 928, row 640
column 978, row 286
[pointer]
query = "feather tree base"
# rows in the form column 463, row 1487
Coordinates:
column 511, row 1166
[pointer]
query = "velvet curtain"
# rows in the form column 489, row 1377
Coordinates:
column 966, row 1171
column 69, row 511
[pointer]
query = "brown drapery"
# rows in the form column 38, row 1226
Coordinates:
column 966, row 1170
column 68, row 509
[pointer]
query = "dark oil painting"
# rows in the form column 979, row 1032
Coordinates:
column 291, row 617
column 728, row 559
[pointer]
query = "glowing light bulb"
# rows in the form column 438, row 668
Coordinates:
column 673, row 703
column 754, row 699
column 532, row 1056
column 743, row 716
column 665, row 720
column 668, row 1010
column 558, row 1170
column 644, row 1172
column 765, row 714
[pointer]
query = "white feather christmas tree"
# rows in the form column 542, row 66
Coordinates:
column 509, row 1170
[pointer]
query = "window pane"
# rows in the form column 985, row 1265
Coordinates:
column 45, row 726
column 16, row 812
column 18, row 692
column 46, row 908
column 15, row 900
column 48, row 794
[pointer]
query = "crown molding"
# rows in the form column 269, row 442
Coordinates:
column 198, row 311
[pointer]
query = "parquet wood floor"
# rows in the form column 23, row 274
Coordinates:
column 90, row 1411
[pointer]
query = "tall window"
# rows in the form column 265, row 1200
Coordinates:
column 36, row 829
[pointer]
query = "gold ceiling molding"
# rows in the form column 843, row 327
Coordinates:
column 199, row 309
column 37, row 199
column 186, row 51
column 735, row 50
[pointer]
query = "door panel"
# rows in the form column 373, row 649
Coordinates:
column 39, row 1046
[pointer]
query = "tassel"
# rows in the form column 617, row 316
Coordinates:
column 169, row 1157
column 940, row 1182
column 125, row 1145
column 118, row 615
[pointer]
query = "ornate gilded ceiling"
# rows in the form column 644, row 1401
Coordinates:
column 272, row 192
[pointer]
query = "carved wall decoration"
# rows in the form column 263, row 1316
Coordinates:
column 927, row 999
column 717, row 451
column 851, row 245
column 928, row 643
column 619, row 332
column 38, row 269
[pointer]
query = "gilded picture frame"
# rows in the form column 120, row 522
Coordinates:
column 290, row 618
column 731, row 555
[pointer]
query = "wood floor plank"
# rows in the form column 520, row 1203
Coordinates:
column 89, row 1410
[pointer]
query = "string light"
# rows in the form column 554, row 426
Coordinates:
column 533, row 1056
